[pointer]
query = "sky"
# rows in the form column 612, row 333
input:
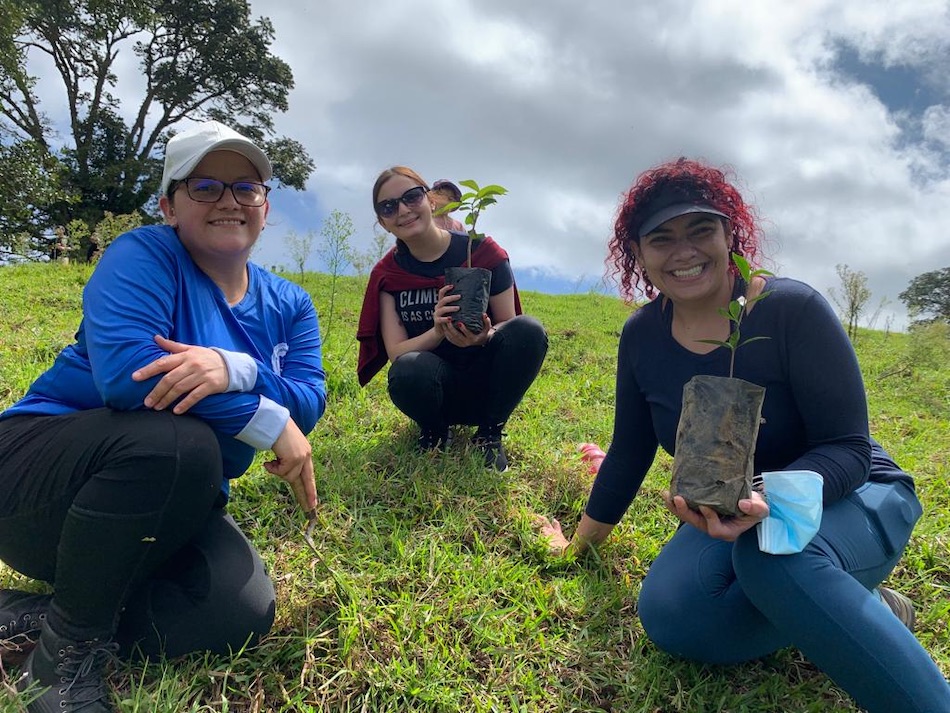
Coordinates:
column 835, row 117
column 834, row 114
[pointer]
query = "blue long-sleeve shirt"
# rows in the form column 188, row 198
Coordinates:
column 815, row 410
column 146, row 284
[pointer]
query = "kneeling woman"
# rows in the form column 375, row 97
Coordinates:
column 114, row 468
column 712, row 595
column 443, row 374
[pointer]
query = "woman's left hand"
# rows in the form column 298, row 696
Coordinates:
column 754, row 509
column 190, row 371
column 460, row 335
column 293, row 462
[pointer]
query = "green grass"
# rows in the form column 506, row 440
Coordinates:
column 432, row 593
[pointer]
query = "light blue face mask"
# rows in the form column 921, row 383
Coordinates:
column 794, row 498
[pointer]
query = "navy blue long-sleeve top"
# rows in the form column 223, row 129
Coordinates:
column 815, row 410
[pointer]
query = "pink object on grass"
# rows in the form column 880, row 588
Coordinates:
column 592, row 455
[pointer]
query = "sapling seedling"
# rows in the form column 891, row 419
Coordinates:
column 738, row 308
column 474, row 202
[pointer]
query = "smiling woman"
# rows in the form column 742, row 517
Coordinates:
column 442, row 372
column 116, row 464
column 715, row 594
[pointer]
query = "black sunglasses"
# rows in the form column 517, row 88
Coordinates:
column 413, row 197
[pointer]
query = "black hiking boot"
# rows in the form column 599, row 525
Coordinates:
column 431, row 439
column 488, row 440
column 69, row 674
column 21, row 615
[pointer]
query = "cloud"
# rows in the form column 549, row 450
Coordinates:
column 936, row 123
column 564, row 104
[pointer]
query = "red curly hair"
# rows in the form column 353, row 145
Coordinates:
column 712, row 185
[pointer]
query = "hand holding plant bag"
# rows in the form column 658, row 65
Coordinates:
column 719, row 423
column 473, row 284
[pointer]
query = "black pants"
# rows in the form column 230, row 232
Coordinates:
column 481, row 388
column 119, row 511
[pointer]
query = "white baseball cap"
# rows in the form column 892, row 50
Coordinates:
column 186, row 149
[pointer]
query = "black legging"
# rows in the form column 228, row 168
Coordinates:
column 481, row 388
column 117, row 510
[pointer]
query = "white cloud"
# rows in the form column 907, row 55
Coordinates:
column 565, row 103
column 936, row 124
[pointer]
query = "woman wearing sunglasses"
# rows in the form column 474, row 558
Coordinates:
column 442, row 374
column 115, row 466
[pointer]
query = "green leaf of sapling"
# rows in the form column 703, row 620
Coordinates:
column 742, row 265
column 447, row 208
column 713, row 341
column 751, row 339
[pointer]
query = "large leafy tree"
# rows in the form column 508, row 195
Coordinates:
column 927, row 297
column 30, row 185
column 196, row 59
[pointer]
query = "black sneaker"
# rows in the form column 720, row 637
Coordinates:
column 69, row 674
column 488, row 440
column 21, row 615
column 431, row 439
column 902, row 606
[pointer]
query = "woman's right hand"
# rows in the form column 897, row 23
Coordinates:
column 293, row 462
column 552, row 534
column 753, row 510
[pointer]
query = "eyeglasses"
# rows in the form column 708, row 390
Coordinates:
column 413, row 197
column 210, row 190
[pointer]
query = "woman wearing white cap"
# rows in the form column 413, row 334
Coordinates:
column 116, row 463
column 715, row 594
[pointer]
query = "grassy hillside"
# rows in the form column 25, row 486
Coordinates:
column 432, row 593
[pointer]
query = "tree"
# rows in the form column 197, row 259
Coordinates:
column 30, row 183
column 299, row 247
column 927, row 297
column 853, row 297
column 363, row 260
column 197, row 59
column 335, row 251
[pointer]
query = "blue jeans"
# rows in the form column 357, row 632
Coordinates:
column 720, row 602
